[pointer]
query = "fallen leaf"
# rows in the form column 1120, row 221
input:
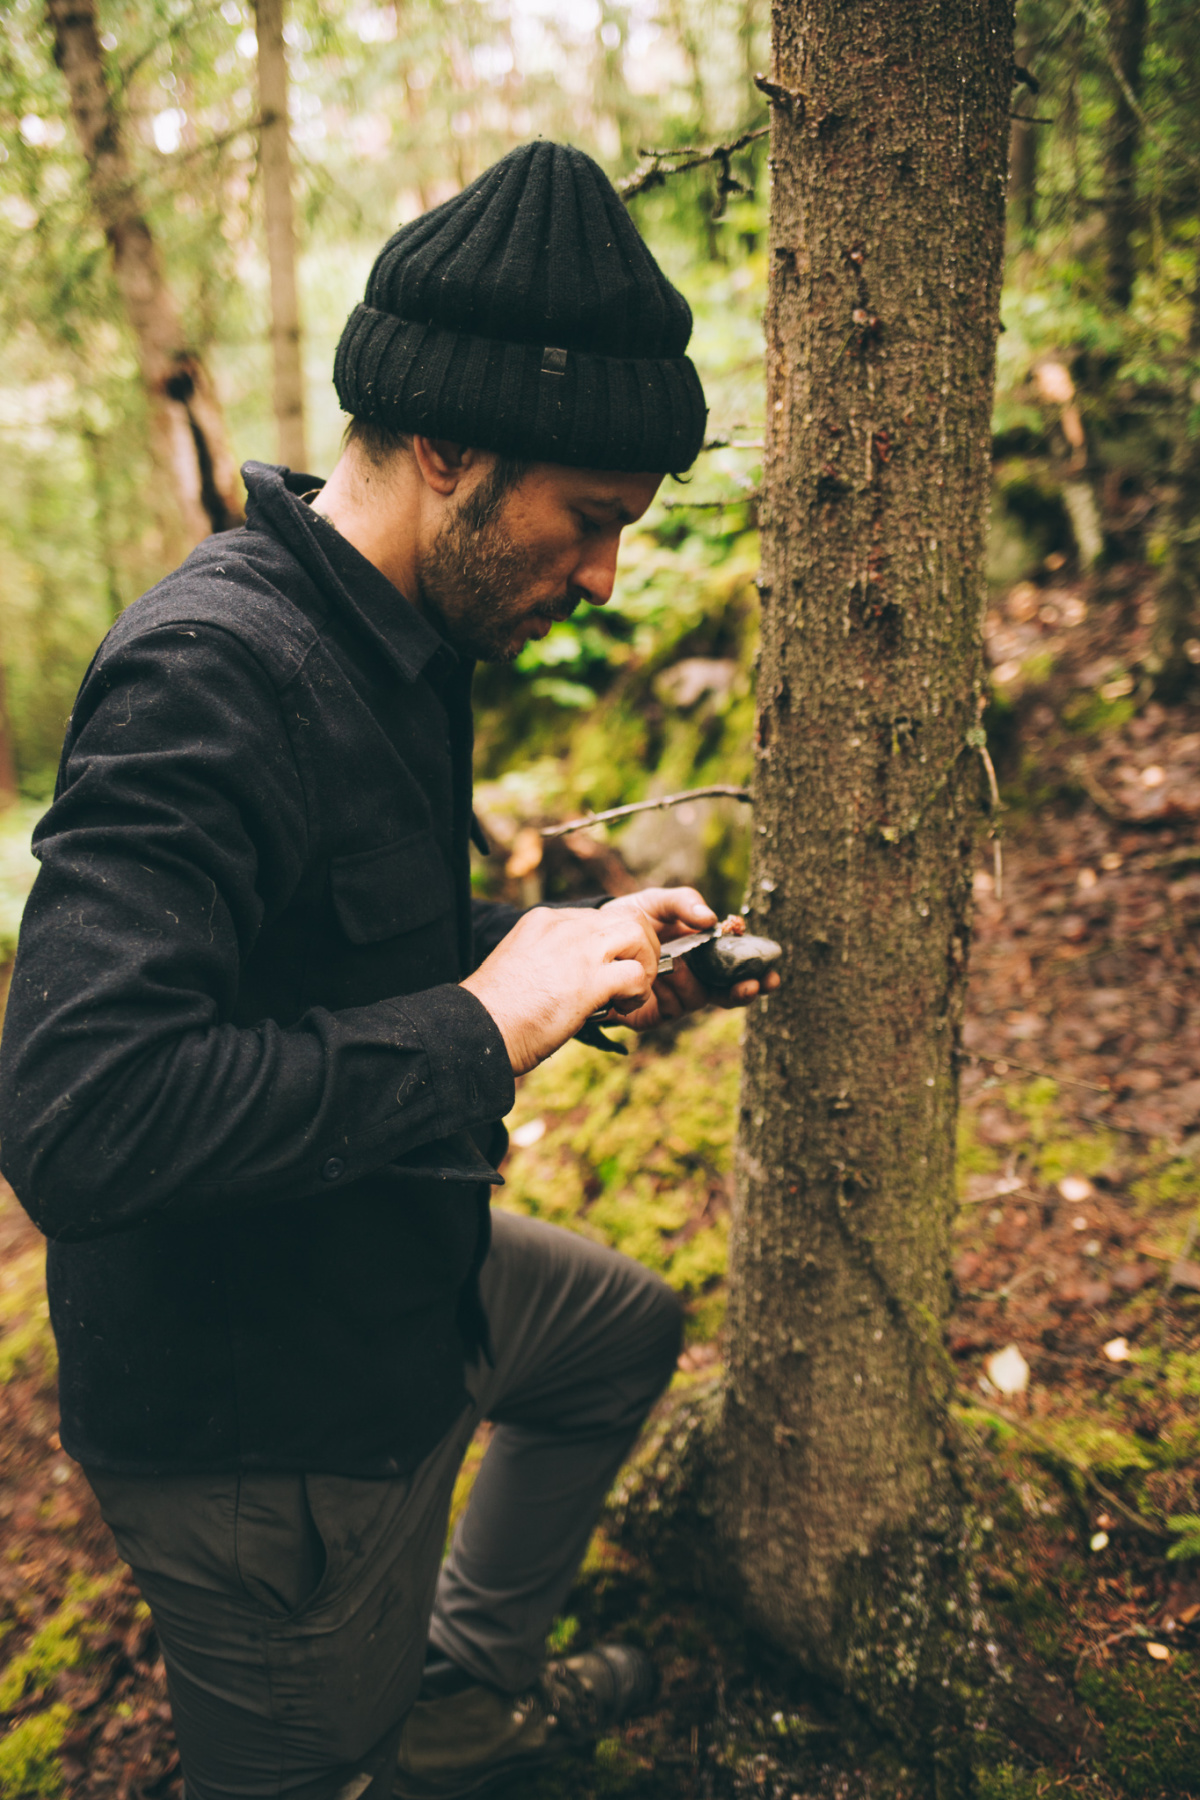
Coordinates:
column 1117, row 1350
column 1075, row 1188
column 1159, row 1652
column 1007, row 1370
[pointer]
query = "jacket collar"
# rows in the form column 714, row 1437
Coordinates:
column 403, row 636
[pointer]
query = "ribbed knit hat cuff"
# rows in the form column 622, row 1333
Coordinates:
column 535, row 401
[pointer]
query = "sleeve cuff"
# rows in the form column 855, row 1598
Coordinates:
column 469, row 1070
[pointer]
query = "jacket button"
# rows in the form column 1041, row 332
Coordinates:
column 334, row 1169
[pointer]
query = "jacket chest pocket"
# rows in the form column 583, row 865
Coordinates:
column 392, row 889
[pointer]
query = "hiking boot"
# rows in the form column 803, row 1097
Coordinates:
column 457, row 1744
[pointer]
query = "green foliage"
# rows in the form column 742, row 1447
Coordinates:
column 29, row 1765
column 1149, row 1711
column 1010, row 1783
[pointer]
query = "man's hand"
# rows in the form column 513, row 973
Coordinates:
column 554, row 969
column 674, row 912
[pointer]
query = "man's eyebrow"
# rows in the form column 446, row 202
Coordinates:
column 610, row 504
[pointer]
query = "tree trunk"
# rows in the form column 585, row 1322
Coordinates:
column 1177, row 626
column 1023, row 159
column 187, row 428
column 1127, row 38
column 839, row 1495
column 8, row 765
column 275, row 162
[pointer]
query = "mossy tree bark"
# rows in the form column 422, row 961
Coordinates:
column 200, row 491
column 839, row 1497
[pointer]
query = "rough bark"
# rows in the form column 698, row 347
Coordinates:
column 275, row 165
column 1127, row 36
column 187, row 430
column 840, row 1498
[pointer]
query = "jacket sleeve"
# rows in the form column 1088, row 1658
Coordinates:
column 126, row 1093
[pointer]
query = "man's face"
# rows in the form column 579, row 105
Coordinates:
column 510, row 561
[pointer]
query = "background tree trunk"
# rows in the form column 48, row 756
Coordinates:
column 1177, row 625
column 839, row 1495
column 187, row 429
column 275, row 163
column 8, row 766
column 1127, row 38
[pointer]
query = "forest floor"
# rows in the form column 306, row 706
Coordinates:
column 1075, row 1332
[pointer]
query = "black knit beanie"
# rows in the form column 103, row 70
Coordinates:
column 527, row 316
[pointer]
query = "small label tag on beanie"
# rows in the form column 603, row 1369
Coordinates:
column 554, row 362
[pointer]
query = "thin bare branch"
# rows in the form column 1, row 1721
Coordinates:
column 662, row 163
column 722, row 790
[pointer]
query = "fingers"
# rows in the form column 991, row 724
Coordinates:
column 680, row 906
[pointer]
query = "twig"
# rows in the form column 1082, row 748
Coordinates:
column 720, row 790
column 780, row 95
column 661, row 163
column 1048, row 1074
column 733, row 444
column 746, row 499
column 979, row 740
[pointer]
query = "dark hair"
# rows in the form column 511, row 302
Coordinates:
column 379, row 443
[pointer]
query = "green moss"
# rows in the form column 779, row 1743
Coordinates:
column 1151, row 1743
column 26, row 1340
column 1076, row 1156
column 974, row 1156
column 56, row 1645
column 633, row 1149
column 1091, row 715
column 29, row 1765
column 1085, row 1444
column 1178, row 1182
column 1037, row 1103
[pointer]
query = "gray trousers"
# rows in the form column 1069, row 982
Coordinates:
column 294, row 1610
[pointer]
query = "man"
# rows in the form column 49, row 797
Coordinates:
column 260, row 1039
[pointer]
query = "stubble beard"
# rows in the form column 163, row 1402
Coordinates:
column 475, row 580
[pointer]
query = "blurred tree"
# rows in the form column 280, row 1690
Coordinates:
column 8, row 766
column 1177, row 625
column 187, row 428
column 840, row 1499
column 275, row 164
column 1126, row 48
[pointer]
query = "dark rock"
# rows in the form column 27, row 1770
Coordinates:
column 724, row 961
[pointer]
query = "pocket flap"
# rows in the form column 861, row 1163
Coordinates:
column 393, row 888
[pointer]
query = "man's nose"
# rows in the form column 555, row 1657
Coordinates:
column 596, row 572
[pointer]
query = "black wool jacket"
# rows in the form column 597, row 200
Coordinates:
column 241, row 1090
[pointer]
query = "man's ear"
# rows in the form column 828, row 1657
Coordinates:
column 443, row 463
